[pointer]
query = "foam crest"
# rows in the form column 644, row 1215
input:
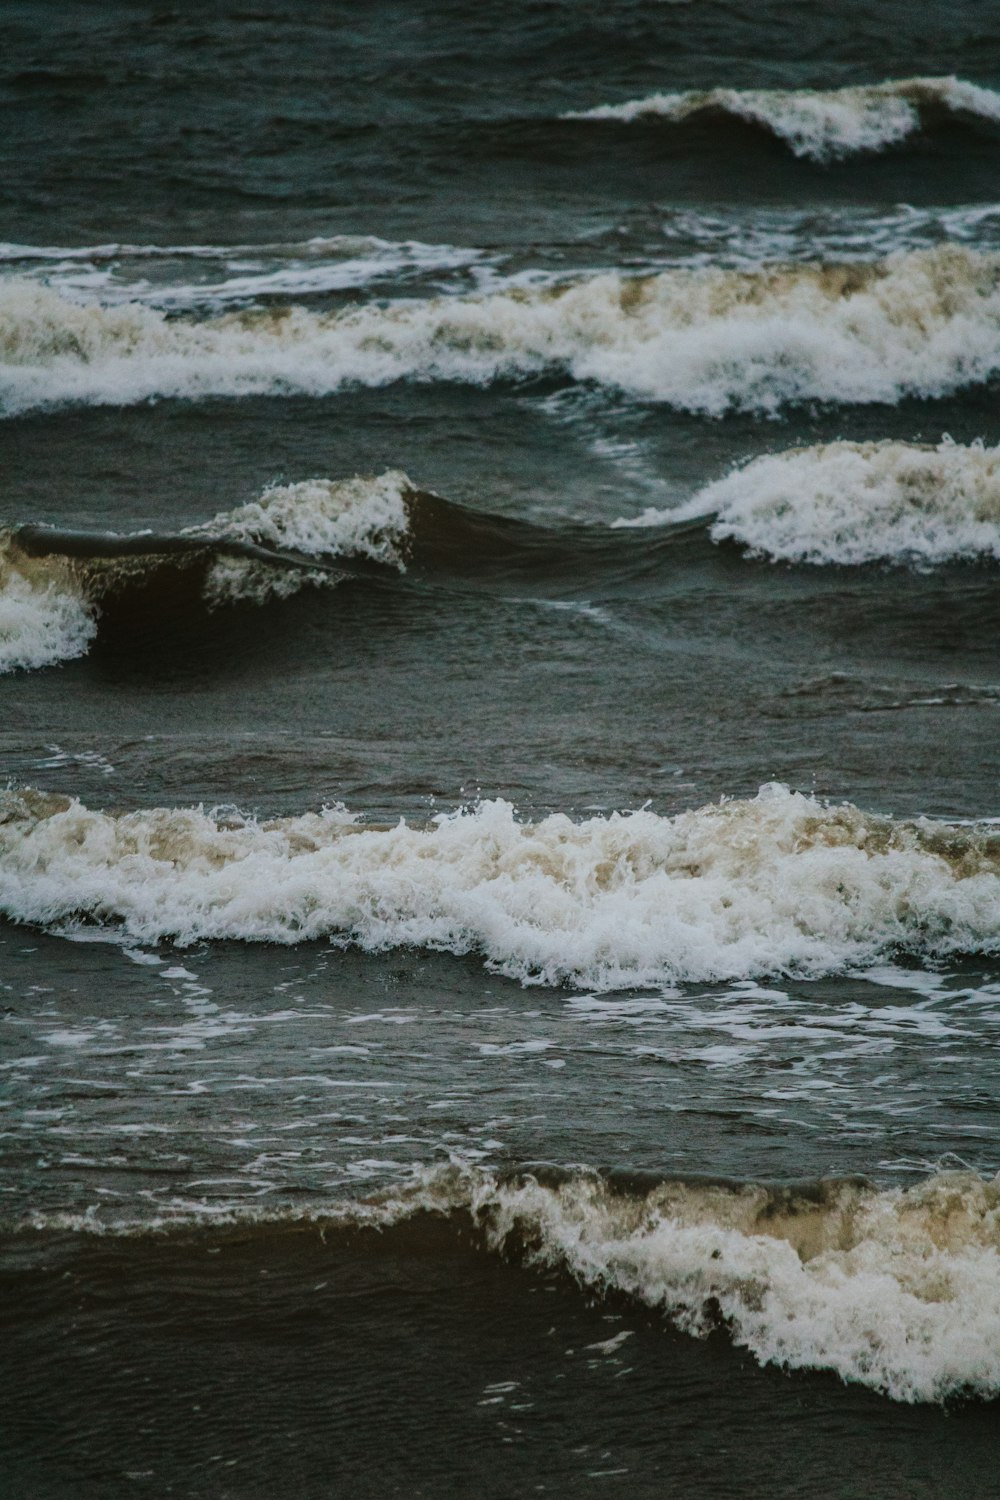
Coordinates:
column 325, row 517
column 320, row 518
column 920, row 323
column 779, row 883
column 853, row 503
column 897, row 1290
column 821, row 125
column 44, row 616
column 53, row 590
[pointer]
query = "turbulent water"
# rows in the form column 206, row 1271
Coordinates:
column 817, row 123
column 499, row 839
column 922, row 323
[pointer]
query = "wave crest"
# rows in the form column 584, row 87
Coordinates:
column 899, row 1290
column 780, row 883
column 316, row 518
column 820, row 125
column 852, row 503
column 44, row 613
column 921, row 323
column 54, row 584
column 895, row 1289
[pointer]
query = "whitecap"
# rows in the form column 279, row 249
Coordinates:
column 922, row 323
column 852, row 503
column 776, row 884
column 819, row 124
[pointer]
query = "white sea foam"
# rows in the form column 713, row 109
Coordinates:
column 897, row 1289
column 856, row 503
column 317, row 246
column 325, row 518
column 44, row 616
column 49, row 605
column 822, row 125
column 923, row 323
column 320, row 518
column 780, row 883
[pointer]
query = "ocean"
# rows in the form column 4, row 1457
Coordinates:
column 499, row 724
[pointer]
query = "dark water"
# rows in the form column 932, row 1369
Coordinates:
column 338, row 1159
column 431, row 122
column 284, row 1360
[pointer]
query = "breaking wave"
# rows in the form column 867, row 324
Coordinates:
column 835, row 503
column 820, row 125
column 899, row 1290
column 54, row 584
column 895, row 1289
column 780, row 883
column 44, row 617
column 853, row 503
column 923, row 323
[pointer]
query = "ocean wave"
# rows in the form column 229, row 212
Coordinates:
column 54, row 584
column 820, row 124
column 777, row 884
column 914, row 324
column 898, row 1290
column 853, row 503
column 895, row 1289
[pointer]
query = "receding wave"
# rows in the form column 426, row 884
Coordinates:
column 744, row 236
column 896, row 1289
column 55, row 583
column 180, row 277
column 780, row 883
column 856, row 503
column 317, row 246
column 821, row 124
column 923, row 323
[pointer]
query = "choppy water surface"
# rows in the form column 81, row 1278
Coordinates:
column 499, row 852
